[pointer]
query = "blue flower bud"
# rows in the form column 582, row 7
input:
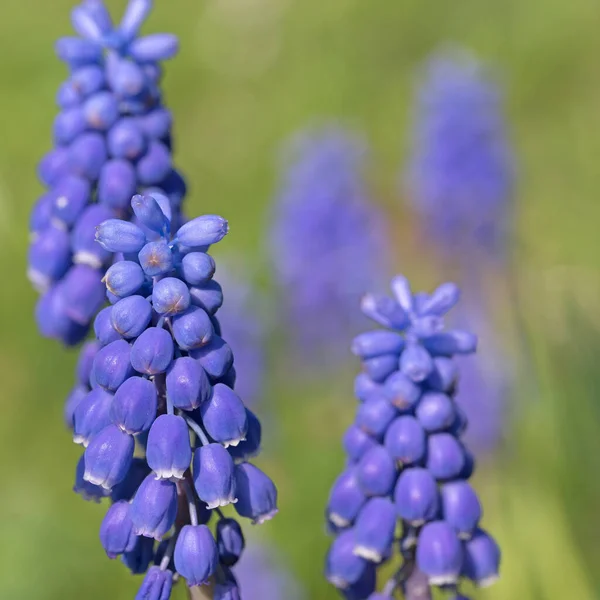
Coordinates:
column 112, row 365
column 67, row 125
column 365, row 387
column 345, row 499
column 376, row 472
column 213, row 476
column 116, row 531
column 157, row 123
column 215, row 357
column 445, row 456
column 208, row 296
column 384, row 311
column 85, row 24
column 75, row 51
column 451, row 342
column 343, row 567
column 71, row 195
column 88, row 79
column 85, row 362
column 135, row 14
column 124, row 278
column 415, row 362
column 149, row 213
column 435, row 411
column 230, row 541
column 459, row 425
column 41, row 212
column 356, row 442
column 227, row 589
column 374, row 530
column 250, row 447
column 117, row 184
column 101, row 111
column 187, row 384
column 126, row 489
column 461, row 507
column 444, row 375
column 84, row 293
column 134, row 405
column 103, row 328
column 193, row 329
column 154, row 507
column 406, row 441
column 224, row 416
column 155, row 165
column 202, row 231
column 416, row 496
column 168, row 450
column 125, row 78
column 402, row 392
column 126, row 140
column 155, row 47
column 439, row 553
column 152, row 351
column 376, row 343
column 91, row 416
column 120, row 236
column 257, row 494
column 196, row 555
column 88, row 491
column 156, row 258
column 108, row 457
column 67, row 96
column 364, row 587
column 441, row 301
column 374, row 416
column 76, row 395
column 139, row 558
column 83, row 237
column 53, row 321
column 49, row 256
column 380, row 367
column 170, row 296
column 131, row 316
column 197, row 268
column 482, row 559
column 87, row 155
column 53, row 166
column 157, row 585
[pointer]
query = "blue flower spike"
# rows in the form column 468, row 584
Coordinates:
column 408, row 466
column 111, row 141
column 157, row 381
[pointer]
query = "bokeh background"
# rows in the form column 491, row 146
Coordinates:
column 250, row 74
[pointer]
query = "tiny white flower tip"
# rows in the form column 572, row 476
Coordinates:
column 40, row 282
column 488, row 581
column 81, row 440
column 169, row 474
column 87, row 476
column 234, row 443
column 368, row 554
column 439, row 580
column 221, row 502
column 87, row 258
column 266, row 517
column 338, row 521
column 338, row 582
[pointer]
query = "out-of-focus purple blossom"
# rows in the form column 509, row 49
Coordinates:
column 260, row 574
column 460, row 176
column 328, row 241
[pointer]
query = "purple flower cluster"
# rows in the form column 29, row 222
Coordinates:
column 326, row 238
column 165, row 435
column 112, row 139
column 461, row 173
column 407, row 464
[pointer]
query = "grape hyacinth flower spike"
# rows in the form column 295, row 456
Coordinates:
column 112, row 139
column 408, row 467
column 323, row 198
column 159, row 385
column 460, row 177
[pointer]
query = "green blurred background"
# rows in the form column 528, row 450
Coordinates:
column 250, row 73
